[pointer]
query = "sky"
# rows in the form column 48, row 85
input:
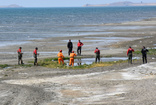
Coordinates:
column 64, row 3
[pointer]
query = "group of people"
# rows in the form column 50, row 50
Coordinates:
column 79, row 46
column 143, row 51
column 70, row 52
column 20, row 61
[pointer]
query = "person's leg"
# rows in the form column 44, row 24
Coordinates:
column 70, row 50
column 59, row 61
column 96, row 59
column 146, row 58
column 62, row 61
column 80, row 50
column 128, row 58
column 99, row 58
column 72, row 61
column 143, row 59
column 18, row 60
column 131, row 58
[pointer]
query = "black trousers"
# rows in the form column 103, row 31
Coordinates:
column 79, row 50
column 130, row 58
column 97, row 58
column 69, row 50
column 144, row 58
column 20, row 59
column 35, row 60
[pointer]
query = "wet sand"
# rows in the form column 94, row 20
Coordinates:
column 121, row 84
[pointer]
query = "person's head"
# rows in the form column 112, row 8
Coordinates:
column 143, row 46
column 69, row 40
column 20, row 47
column 79, row 40
column 60, row 50
column 36, row 48
column 96, row 47
column 72, row 51
column 129, row 46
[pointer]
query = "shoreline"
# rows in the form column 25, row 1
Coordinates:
column 121, row 39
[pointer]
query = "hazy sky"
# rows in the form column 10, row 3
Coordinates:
column 63, row 3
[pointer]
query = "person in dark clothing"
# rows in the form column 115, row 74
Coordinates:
column 144, row 54
column 19, row 51
column 70, row 47
column 35, row 56
column 97, row 52
column 79, row 45
column 129, row 54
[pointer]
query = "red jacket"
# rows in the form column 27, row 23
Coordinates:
column 79, row 44
column 19, row 50
column 130, row 50
column 35, row 52
column 97, row 51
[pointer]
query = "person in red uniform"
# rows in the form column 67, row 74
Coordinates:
column 35, row 56
column 79, row 46
column 60, row 57
column 129, row 54
column 72, row 55
column 19, row 51
column 97, row 52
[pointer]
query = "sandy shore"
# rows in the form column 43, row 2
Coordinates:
column 121, row 84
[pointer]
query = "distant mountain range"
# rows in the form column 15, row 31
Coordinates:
column 11, row 6
column 125, row 3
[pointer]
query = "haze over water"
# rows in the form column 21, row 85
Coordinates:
column 22, row 24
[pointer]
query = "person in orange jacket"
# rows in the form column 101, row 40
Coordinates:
column 72, row 55
column 79, row 45
column 19, row 51
column 129, row 54
column 60, row 57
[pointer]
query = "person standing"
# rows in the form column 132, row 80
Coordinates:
column 129, row 54
column 79, row 45
column 69, row 46
column 35, row 56
column 144, row 54
column 60, row 57
column 72, row 55
column 19, row 51
column 97, row 52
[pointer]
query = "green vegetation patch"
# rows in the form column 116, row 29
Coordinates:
column 4, row 65
column 51, row 63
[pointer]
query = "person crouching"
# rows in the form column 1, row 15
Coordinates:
column 60, row 57
column 72, row 55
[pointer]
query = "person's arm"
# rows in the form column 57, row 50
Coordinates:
column 127, row 51
column 147, row 50
column 133, row 50
column 72, row 44
column 68, row 45
column 81, row 44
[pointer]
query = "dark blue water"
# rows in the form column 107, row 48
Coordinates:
column 34, row 23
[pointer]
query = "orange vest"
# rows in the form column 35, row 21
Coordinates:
column 60, row 55
column 72, row 55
